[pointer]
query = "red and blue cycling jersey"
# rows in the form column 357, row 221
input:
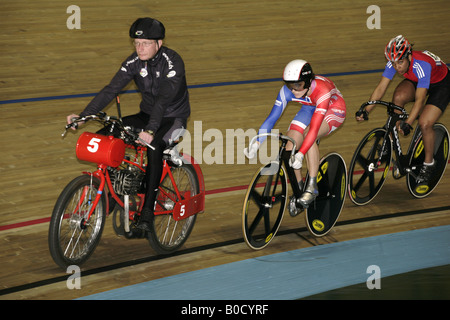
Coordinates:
column 325, row 101
column 425, row 68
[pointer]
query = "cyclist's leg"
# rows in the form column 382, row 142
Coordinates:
column 154, row 168
column 296, row 131
column 438, row 99
column 175, row 132
column 333, row 119
column 138, row 121
column 297, row 127
column 405, row 92
column 298, row 138
column 312, row 159
column 313, row 154
column 427, row 119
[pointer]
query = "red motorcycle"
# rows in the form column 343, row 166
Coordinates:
column 117, row 188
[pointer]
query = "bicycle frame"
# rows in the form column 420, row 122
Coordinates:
column 185, row 205
column 403, row 158
column 290, row 171
column 393, row 135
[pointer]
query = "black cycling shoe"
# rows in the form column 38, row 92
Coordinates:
column 425, row 174
column 145, row 220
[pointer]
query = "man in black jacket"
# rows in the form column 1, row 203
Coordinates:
column 160, row 77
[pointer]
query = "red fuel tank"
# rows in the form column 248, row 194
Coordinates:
column 100, row 149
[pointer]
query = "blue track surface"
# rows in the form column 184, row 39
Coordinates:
column 299, row 273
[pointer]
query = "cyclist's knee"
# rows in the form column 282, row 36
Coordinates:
column 400, row 98
column 404, row 93
column 425, row 124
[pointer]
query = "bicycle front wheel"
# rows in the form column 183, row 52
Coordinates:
column 167, row 234
column 264, row 205
column 322, row 214
column 440, row 156
column 72, row 239
column 369, row 167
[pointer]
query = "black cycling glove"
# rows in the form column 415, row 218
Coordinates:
column 406, row 128
column 363, row 113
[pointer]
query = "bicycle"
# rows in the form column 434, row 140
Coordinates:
column 117, row 187
column 372, row 159
column 266, row 197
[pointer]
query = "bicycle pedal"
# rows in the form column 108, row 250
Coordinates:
column 135, row 232
column 294, row 209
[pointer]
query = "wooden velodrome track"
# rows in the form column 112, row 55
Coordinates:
column 231, row 42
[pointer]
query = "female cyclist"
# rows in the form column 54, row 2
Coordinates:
column 322, row 111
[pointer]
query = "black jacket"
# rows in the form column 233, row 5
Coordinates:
column 161, row 81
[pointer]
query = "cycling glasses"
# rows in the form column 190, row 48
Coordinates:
column 295, row 85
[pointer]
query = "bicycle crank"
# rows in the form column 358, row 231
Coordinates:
column 121, row 220
column 295, row 208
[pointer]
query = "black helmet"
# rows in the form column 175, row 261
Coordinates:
column 147, row 28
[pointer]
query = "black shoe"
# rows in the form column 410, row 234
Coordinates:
column 145, row 220
column 425, row 174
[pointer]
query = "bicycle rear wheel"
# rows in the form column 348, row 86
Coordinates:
column 366, row 175
column 264, row 205
column 323, row 213
column 441, row 154
column 71, row 238
column 168, row 235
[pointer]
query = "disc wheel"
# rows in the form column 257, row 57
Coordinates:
column 324, row 211
column 440, row 156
